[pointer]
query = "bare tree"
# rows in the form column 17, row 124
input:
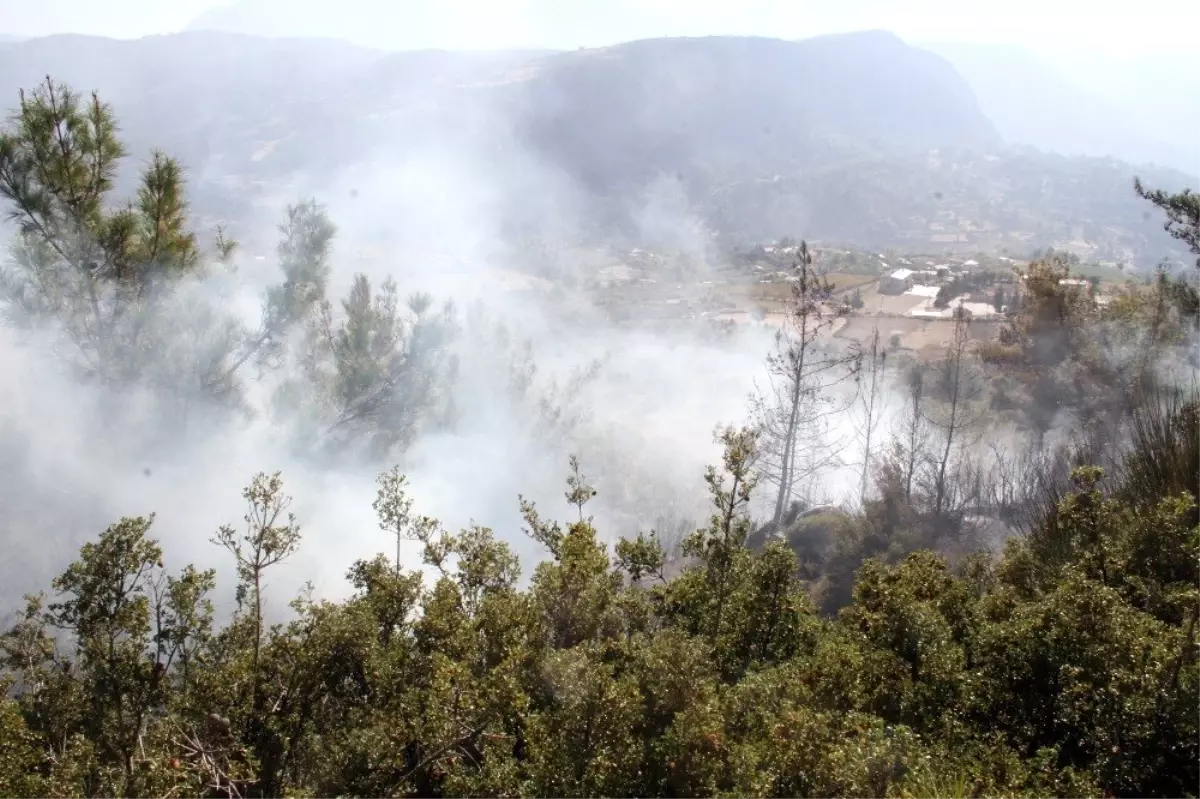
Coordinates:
column 911, row 438
column 791, row 414
column 871, row 385
column 1025, row 481
column 956, row 415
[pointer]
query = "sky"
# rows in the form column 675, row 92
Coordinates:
column 1047, row 27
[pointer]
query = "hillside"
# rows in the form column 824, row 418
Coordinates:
column 357, row 21
column 1031, row 103
column 955, row 202
column 1157, row 88
column 738, row 105
column 827, row 137
column 470, row 25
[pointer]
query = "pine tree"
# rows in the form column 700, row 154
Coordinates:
column 99, row 271
column 126, row 282
column 375, row 375
column 1183, row 214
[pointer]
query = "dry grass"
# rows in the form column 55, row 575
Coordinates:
column 849, row 282
column 770, row 296
column 928, row 337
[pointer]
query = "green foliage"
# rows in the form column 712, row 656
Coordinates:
column 20, row 753
column 100, row 272
column 1068, row 668
column 374, row 376
column 119, row 282
column 1183, row 214
column 138, row 302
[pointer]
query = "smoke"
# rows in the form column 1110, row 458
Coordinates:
column 638, row 406
column 76, row 459
column 462, row 210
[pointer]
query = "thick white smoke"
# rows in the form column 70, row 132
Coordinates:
column 438, row 219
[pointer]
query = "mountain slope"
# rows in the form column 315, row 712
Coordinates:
column 1160, row 90
column 198, row 96
column 731, row 104
column 1031, row 103
column 850, row 137
column 471, row 25
column 351, row 20
column 657, row 106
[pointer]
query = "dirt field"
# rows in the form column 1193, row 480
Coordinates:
column 781, row 291
column 849, row 282
column 724, row 297
column 755, row 303
column 927, row 336
column 874, row 302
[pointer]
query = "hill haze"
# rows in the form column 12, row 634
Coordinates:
column 858, row 137
column 1032, row 103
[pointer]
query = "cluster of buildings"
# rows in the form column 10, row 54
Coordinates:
column 904, row 279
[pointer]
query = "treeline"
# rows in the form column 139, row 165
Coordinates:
column 814, row 652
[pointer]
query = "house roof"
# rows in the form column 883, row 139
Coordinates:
column 902, row 274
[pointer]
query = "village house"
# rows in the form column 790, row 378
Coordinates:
column 897, row 282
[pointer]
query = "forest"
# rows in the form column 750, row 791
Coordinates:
column 780, row 647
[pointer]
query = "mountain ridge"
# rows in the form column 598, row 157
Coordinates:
column 863, row 130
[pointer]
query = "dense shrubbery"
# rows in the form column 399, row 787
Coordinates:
column 1067, row 668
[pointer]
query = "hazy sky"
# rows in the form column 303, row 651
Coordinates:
column 1045, row 26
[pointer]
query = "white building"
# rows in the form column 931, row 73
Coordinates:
column 897, row 282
